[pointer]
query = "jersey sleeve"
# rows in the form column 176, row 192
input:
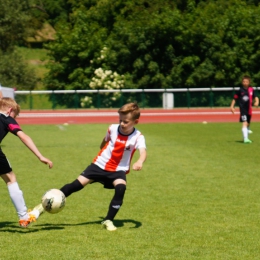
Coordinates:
column 237, row 94
column 13, row 126
column 140, row 142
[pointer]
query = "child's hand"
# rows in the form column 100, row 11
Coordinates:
column 232, row 110
column 137, row 166
column 46, row 161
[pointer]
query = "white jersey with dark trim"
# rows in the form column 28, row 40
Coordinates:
column 117, row 154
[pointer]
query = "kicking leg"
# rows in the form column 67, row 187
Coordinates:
column 75, row 186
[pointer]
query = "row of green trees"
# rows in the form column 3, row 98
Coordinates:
column 147, row 44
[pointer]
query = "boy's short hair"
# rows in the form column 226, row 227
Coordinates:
column 7, row 102
column 131, row 108
column 246, row 77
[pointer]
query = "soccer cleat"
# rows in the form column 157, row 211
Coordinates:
column 108, row 224
column 25, row 223
column 250, row 131
column 247, row 141
column 39, row 208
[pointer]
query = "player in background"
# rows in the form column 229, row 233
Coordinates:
column 112, row 163
column 9, row 109
column 245, row 97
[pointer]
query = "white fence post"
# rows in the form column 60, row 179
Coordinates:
column 168, row 100
column 7, row 92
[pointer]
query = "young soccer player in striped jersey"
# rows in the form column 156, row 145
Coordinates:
column 112, row 163
column 9, row 109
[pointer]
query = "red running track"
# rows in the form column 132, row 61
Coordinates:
column 147, row 116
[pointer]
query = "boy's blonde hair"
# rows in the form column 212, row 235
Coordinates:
column 131, row 108
column 6, row 103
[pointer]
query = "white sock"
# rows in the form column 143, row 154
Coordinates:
column 245, row 132
column 16, row 196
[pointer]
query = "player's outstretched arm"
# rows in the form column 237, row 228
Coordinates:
column 30, row 144
column 138, row 165
column 232, row 106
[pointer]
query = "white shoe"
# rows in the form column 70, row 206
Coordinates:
column 108, row 224
column 40, row 208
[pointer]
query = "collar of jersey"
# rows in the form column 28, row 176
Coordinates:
column 4, row 114
column 122, row 133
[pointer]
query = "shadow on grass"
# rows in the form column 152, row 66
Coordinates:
column 242, row 142
column 117, row 223
column 14, row 228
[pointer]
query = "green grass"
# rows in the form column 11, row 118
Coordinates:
column 28, row 54
column 197, row 196
column 36, row 59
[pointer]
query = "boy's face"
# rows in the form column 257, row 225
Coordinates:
column 127, row 123
column 245, row 83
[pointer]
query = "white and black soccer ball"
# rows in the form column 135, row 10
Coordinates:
column 53, row 201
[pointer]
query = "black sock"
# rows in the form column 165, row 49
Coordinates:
column 71, row 187
column 116, row 202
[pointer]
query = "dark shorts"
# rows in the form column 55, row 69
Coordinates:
column 5, row 166
column 95, row 173
column 245, row 118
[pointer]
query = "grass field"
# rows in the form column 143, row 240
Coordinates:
column 36, row 58
column 197, row 196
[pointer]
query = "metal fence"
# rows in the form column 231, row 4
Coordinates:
column 146, row 98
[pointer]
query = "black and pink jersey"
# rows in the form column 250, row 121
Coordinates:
column 8, row 124
column 245, row 99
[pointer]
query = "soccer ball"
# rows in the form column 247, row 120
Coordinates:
column 53, row 201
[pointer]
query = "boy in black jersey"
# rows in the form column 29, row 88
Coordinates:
column 9, row 109
column 245, row 97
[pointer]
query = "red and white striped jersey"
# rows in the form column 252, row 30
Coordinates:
column 117, row 154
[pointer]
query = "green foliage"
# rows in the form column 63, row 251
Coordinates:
column 14, row 20
column 14, row 72
column 182, row 44
column 15, row 26
column 225, row 38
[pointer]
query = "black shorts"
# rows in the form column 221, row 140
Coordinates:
column 95, row 173
column 5, row 166
column 245, row 118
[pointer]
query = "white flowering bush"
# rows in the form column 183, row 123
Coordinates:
column 104, row 79
column 86, row 102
